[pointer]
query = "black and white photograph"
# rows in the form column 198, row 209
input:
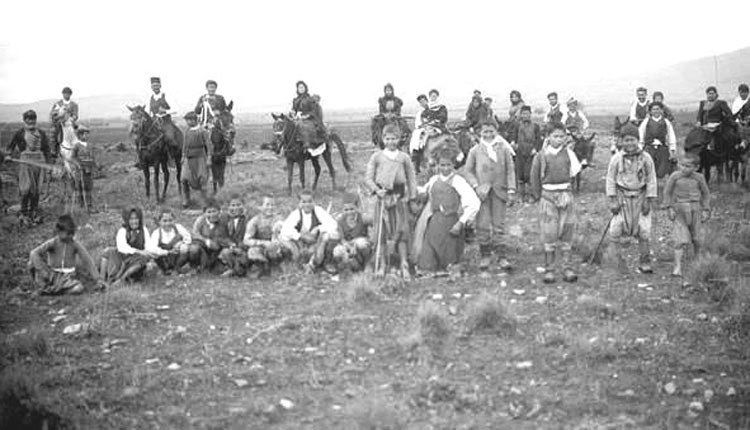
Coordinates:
column 383, row 215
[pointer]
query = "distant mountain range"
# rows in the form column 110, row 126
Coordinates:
column 683, row 84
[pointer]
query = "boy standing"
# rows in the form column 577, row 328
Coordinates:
column 551, row 174
column 53, row 263
column 234, row 256
column 309, row 232
column 631, row 189
column 491, row 172
column 526, row 140
column 640, row 107
column 197, row 152
column 83, row 180
column 30, row 144
column 687, row 198
column 658, row 139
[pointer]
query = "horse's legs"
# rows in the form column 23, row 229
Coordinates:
column 328, row 158
column 316, row 168
column 178, row 170
column 156, row 182
column 147, row 179
column 301, row 165
column 165, row 170
column 289, row 175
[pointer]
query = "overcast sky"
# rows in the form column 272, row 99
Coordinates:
column 347, row 50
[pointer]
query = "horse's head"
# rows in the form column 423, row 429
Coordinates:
column 139, row 120
column 283, row 126
column 697, row 139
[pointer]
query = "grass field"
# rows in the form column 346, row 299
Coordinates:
column 482, row 351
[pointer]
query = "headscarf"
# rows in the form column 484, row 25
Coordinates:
column 135, row 238
column 296, row 86
column 389, row 85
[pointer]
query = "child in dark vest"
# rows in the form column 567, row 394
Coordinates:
column 30, row 144
column 196, row 152
column 551, row 172
column 526, row 140
column 631, row 189
column 83, row 180
column 390, row 177
column 171, row 244
column 309, row 233
column 211, row 234
column 491, row 172
column 53, row 263
column 555, row 111
column 659, row 97
column 640, row 108
column 234, row 256
column 451, row 205
column 355, row 248
column 210, row 104
column 264, row 248
column 128, row 260
column 687, row 199
column 659, row 140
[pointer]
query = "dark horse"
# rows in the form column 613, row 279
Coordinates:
column 154, row 151
column 222, row 140
column 583, row 148
column 287, row 143
column 725, row 138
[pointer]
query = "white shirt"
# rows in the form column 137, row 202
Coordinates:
column 563, row 110
column 154, row 96
column 578, row 113
column 636, row 103
column 469, row 201
column 671, row 137
column 328, row 224
column 152, row 245
column 737, row 104
column 121, row 241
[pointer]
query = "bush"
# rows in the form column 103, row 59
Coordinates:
column 487, row 313
column 710, row 269
column 362, row 289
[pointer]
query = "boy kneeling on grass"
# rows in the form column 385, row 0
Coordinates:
column 210, row 234
column 687, row 199
column 264, row 249
column 551, row 173
column 234, row 256
column 53, row 263
column 309, row 233
column 172, row 244
column 354, row 250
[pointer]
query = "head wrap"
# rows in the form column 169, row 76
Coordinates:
column 572, row 101
column 388, row 85
column 67, row 90
column 302, row 83
column 211, row 82
column 155, row 80
column 126, row 216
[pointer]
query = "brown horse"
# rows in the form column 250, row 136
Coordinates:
column 154, row 151
column 288, row 143
column 222, row 139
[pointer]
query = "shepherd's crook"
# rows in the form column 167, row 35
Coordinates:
column 604, row 234
column 378, row 243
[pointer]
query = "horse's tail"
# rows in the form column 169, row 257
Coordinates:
column 345, row 160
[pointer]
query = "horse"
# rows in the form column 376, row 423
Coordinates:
column 698, row 141
column 583, row 148
column 288, row 143
column 222, row 138
column 740, row 155
column 153, row 151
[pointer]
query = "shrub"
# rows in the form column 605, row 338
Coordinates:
column 487, row 313
column 362, row 289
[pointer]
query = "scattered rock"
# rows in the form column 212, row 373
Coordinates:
column 708, row 395
column 162, row 307
column 731, row 391
column 59, row 318
column 670, row 388
column 437, row 296
column 540, row 270
column 519, row 292
column 169, row 283
column 152, row 360
column 702, row 317
column 453, row 309
column 696, row 407
column 130, row 392
column 541, row 300
column 241, row 383
column 174, row 366
column 456, row 295
column 286, row 404
column 698, row 381
column 524, row 365
column 503, row 284
column 72, row 329
column 626, row 393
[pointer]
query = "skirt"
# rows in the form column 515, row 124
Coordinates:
column 30, row 178
column 195, row 172
column 119, row 263
column 439, row 247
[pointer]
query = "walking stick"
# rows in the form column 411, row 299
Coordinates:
column 599, row 245
column 378, row 242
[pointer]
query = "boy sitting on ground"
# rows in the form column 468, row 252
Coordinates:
column 262, row 238
column 309, row 233
column 211, row 234
column 234, row 256
column 354, row 250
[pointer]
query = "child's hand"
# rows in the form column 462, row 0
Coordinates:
column 380, row 193
column 457, row 228
column 482, row 191
column 671, row 214
column 307, row 238
column 705, row 215
column 646, row 207
column 614, row 206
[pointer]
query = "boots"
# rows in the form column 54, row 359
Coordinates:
column 549, row 265
column 185, row 194
column 678, row 254
column 569, row 275
column 645, row 260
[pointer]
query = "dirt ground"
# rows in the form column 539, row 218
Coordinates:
column 300, row 351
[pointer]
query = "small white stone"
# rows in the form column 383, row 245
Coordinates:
column 72, row 329
column 708, row 395
column 698, row 381
column 642, row 285
column 456, row 295
column 714, row 320
column 180, row 329
column 670, row 388
column 371, row 351
column 541, row 300
column 696, row 406
column 286, row 404
column 540, row 270
column 702, row 317
column 310, row 349
column 437, row 296
column 731, row 391
column 452, row 309
column 212, row 327
column 174, row 366
column 503, row 284
column 336, row 407
column 241, row 383
column 519, row 292
column 59, row 318
column 524, row 365
column 162, row 307
column 640, row 340
column 152, row 360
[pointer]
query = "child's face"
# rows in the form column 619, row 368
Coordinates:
column 629, row 143
column 267, row 208
column 306, row 203
column 552, row 100
column 525, row 115
column 350, row 211
column 389, row 91
column 133, row 221
column 423, row 103
column 659, row 99
column 557, row 138
column 445, row 166
column 156, row 87
column 488, row 133
column 573, row 107
column 433, row 97
column 390, row 140
column 488, row 102
column 687, row 167
column 191, row 122
column 166, row 221
column 212, row 214
column 64, row 236
column 301, row 89
column 235, row 208
column 744, row 94
column 514, row 98
column 211, row 88
column 66, row 96
column 30, row 123
column 641, row 96
column 656, row 112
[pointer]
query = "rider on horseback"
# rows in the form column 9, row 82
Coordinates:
column 307, row 113
column 389, row 112
column 63, row 110
column 159, row 108
column 210, row 105
column 713, row 113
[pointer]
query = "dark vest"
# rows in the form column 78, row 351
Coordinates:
column 195, row 145
column 135, row 238
column 172, row 243
column 655, row 130
column 574, row 119
column 349, row 232
column 641, row 111
column 237, row 235
column 555, row 167
column 313, row 223
column 443, row 195
column 555, row 115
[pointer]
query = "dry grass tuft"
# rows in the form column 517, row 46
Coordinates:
column 434, row 327
column 488, row 314
column 719, row 244
column 362, row 289
column 597, row 306
column 376, row 412
column 22, row 407
column 712, row 272
column 33, row 344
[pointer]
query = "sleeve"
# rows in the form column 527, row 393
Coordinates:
column 470, row 169
column 651, row 184
column 469, row 200
column 199, row 106
column 38, row 254
column 575, row 164
column 705, row 193
column 510, row 168
column 669, row 189
column 584, row 119
column 372, row 166
column 642, row 131
column 152, row 244
column 442, row 115
column 14, row 141
column 74, row 111
column 328, row 223
column 83, row 253
column 250, row 230
column 197, row 226
column 611, row 181
column 726, row 112
column 536, row 177
column 632, row 116
column 411, row 178
column 546, row 114
column 187, row 238
column 565, row 115
column 699, row 115
column 426, row 187
column 398, row 105
column 122, row 244
column 288, row 230
column 166, row 103
column 671, row 136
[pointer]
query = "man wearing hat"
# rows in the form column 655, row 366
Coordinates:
column 63, row 110
column 631, row 189
column 159, row 108
column 31, row 147
column 197, row 153
column 574, row 117
column 83, row 160
column 210, row 104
